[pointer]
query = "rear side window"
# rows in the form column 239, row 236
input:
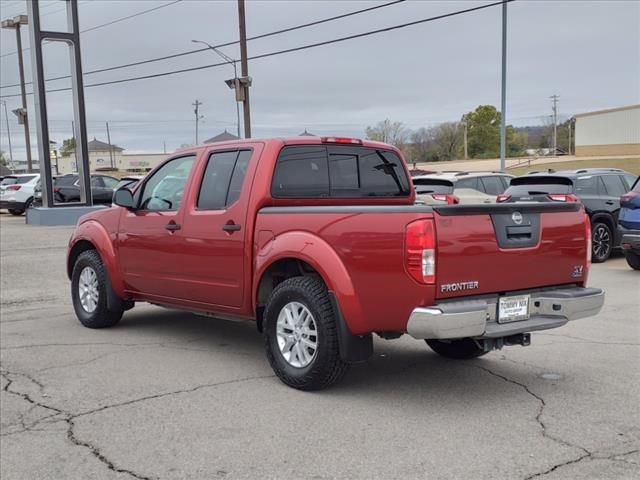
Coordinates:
column 614, row 185
column 630, row 179
column 338, row 171
column 471, row 183
column 222, row 181
column 65, row 181
column 587, row 186
column 493, row 185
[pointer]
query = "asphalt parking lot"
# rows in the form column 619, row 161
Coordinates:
column 171, row 395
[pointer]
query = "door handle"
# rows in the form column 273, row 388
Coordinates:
column 172, row 227
column 231, row 227
column 609, row 202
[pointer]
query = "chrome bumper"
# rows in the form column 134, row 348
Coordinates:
column 478, row 317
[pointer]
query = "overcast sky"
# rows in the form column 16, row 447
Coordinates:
column 587, row 52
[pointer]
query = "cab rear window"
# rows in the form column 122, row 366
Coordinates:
column 316, row 171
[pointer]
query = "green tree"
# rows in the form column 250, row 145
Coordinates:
column 483, row 132
column 68, row 147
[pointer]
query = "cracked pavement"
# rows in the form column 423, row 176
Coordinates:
column 169, row 395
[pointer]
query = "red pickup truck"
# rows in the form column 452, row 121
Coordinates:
column 320, row 241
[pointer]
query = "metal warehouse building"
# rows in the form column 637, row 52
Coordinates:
column 615, row 131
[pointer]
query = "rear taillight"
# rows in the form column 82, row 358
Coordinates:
column 420, row 244
column 450, row 199
column 503, row 198
column 56, row 189
column 14, row 187
column 587, row 232
column 563, row 197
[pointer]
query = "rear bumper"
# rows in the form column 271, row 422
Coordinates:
column 630, row 239
column 478, row 317
column 11, row 205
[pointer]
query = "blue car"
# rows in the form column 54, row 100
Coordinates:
column 629, row 225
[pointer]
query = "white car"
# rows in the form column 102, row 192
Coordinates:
column 16, row 192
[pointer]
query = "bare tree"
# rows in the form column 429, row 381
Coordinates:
column 387, row 131
column 447, row 140
column 422, row 143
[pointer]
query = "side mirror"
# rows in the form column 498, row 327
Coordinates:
column 123, row 198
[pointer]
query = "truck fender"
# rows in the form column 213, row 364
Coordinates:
column 323, row 258
column 93, row 233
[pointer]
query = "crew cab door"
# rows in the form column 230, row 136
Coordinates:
column 148, row 240
column 217, row 230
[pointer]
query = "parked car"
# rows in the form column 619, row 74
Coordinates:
column 319, row 240
column 629, row 225
column 16, row 192
column 460, row 187
column 599, row 189
column 67, row 188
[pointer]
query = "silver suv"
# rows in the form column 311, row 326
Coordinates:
column 460, row 187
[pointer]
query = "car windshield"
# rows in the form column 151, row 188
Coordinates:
column 17, row 180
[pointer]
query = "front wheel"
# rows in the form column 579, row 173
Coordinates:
column 601, row 241
column 89, row 290
column 462, row 349
column 15, row 213
column 301, row 337
column 633, row 259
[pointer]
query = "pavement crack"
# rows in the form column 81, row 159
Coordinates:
column 545, row 433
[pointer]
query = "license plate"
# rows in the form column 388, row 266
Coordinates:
column 513, row 309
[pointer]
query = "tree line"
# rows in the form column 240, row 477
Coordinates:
column 476, row 135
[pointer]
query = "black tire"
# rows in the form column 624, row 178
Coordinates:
column 101, row 316
column 326, row 368
column 15, row 213
column 633, row 259
column 462, row 349
column 28, row 204
column 601, row 242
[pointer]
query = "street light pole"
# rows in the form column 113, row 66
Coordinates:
column 14, row 23
column 6, row 117
column 503, row 113
column 245, row 69
column 232, row 61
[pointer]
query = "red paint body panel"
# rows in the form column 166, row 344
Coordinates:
column 359, row 254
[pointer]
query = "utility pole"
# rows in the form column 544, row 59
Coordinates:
column 198, row 116
column 110, row 147
column 503, row 108
column 164, row 146
column 570, row 124
column 6, row 117
column 554, row 99
column 245, row 69
column 466, row 148
column 15, row 23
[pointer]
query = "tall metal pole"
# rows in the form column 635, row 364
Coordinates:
column 6, row 117
column 503, row 108
column 245, row 68
column 235, row 76
column 195, row 110
column 110, row 147
column 466, row 148
column 23, row 94
column 554, row 99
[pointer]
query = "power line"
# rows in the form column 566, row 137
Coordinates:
column 288, row 50
column 149, row 10
column 198, row 50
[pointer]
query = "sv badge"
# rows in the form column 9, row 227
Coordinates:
column 577, row 271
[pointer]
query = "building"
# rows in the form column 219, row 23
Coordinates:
column 105, row 157
column 615, row 131
column 222, row 137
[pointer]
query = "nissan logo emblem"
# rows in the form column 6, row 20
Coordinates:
column 516, row 217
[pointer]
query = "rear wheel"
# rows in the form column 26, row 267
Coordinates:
column 301, row 337
column 462, row 349
column 602, row 242
column 633, row 259
column 89, row 289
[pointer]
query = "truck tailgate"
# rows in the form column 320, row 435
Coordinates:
column 505, row 247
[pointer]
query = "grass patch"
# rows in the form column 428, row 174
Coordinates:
column 631, row 165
